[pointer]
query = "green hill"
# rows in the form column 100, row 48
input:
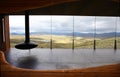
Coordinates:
column 43, row 41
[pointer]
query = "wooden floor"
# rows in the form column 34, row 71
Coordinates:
column 46, row 59
column 7, row 70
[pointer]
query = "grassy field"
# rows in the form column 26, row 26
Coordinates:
column 43, row 41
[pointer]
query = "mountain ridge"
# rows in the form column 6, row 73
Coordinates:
column 76, row 34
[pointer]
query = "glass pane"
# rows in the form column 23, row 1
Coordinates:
column 105, row 32
column 40, row 30
column 118, row 32
column 83, row 31
column 17, row 29
column 62, row 28
column 62, row 31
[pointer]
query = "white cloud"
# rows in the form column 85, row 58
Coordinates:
column 105, row 24
column 17, row 21
column 65, row 23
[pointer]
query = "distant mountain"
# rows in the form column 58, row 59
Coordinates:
column 112, row 34
column 102, row 35
column 16, row 33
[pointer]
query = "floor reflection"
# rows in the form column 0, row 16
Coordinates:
column 28, row 62
column 46, row 59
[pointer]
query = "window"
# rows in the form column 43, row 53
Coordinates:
column 118, row 32
column 40, row 30
column 67, row 31
column 62, row 30
column 17, row 29
column 105, row 32
column 84, row 31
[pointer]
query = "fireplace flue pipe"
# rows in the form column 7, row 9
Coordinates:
column 26, row 44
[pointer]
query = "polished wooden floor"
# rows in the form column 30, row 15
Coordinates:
column 46, row 59
column 7, row 70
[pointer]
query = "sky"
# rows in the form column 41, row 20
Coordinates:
column 65, row 24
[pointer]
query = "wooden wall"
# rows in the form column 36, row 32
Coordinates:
column 4, row 33
column 1, row 33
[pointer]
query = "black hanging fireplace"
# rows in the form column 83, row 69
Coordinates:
column 26, row 44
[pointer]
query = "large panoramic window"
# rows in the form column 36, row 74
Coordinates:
column 67, row 31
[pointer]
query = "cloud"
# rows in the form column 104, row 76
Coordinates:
column 65, row 23
column 105, row 24
column 84, row 23
column 17, row 21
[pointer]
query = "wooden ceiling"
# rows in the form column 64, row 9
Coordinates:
column 61, row 7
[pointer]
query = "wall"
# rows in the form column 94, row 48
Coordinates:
column 4, row 40
column 1, row 33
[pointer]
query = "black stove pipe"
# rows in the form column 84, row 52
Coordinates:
column 27, row 37
column 26, row 44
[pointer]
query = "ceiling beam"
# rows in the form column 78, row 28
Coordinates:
column 61, row 7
